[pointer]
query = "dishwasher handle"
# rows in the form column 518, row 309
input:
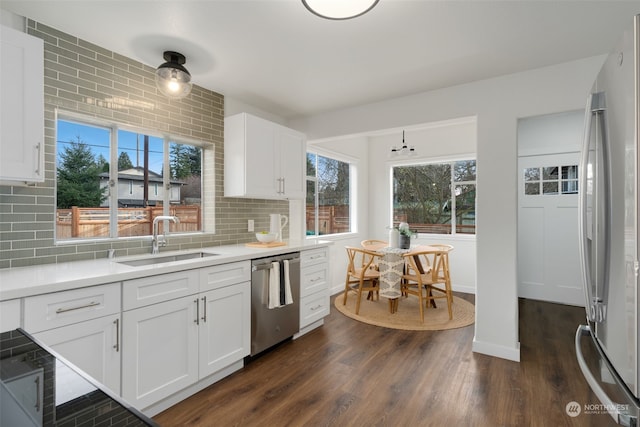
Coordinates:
column 267, row 265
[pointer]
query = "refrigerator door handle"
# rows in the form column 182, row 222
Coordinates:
column 585, row 261
column 595, row 304
column 612, row 407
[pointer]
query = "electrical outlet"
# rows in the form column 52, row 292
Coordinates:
column 250, row 225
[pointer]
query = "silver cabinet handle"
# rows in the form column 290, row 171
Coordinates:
column 117, row 344
column 316, row 279
column 316, row 307
column 284, row 189
column 64, row 310
column 38, row 149
column 197, row 321
column 204, row 309
column 37, row 405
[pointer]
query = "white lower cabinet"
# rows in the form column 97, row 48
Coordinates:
column 93, row 346
column 83, row 325
column 9, row 315
column 314, row 286
column 160, row 350
column 172, row 345
column 225, row 328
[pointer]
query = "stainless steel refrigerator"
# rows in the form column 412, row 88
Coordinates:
column 607, row 346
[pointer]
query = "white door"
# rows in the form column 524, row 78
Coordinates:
column 548, row 259
column 225, row 327
column 93, row 346
column 160, row 350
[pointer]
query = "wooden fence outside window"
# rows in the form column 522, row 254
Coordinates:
column 94, row 222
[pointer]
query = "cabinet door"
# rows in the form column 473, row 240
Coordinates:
column 292, row 163
column 314, row 278
column 314, row 307
column 159, row 344
column 9, row 315
column 261, row 158
column 93, row 346
column 225, row 327
column 21, row 400
column 21, row 106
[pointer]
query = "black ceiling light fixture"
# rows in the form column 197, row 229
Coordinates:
column 172, row 79
column 339, row 9
column 403, row 151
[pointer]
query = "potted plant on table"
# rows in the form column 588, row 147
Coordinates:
column 405, row 236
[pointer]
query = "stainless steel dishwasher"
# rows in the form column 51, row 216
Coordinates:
column 272, row 326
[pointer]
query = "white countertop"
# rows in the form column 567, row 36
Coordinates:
column 40, row 279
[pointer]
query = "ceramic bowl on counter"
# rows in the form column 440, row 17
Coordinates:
column 266, row 237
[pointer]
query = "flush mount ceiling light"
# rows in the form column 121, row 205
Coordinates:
column 339, row 9
column 172, row 78
column 404, row 151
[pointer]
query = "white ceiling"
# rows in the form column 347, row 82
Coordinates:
column 275, row 55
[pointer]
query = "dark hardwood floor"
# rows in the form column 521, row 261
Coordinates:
column 347, row 373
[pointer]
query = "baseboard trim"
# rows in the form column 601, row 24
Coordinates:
column 178, row 397
column 501, row 351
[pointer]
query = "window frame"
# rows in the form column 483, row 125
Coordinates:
column 167, row 138
column 353, row 175
column 434, row 161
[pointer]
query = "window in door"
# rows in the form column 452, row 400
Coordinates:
column 551, row 180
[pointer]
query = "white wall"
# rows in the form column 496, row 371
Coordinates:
column 550, row 133
column 497, row 104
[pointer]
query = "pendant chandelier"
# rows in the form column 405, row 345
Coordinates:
column 339, row 9
column 403, row 151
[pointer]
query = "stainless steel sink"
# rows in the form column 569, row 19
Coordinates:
column 157, row 259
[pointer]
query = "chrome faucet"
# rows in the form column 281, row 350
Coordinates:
column 155, row 243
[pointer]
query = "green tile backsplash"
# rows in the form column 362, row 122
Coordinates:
column 84, row 78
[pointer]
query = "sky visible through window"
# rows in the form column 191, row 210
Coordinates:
column 98, row 139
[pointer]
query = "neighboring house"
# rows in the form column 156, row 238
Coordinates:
column 131, row 188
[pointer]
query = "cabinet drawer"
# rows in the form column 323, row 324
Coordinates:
column 314, row 256
column 219, row 276
column 9, row 315
column 313, row 279
column 57, row 309
column 154, row 289
column 314, row 308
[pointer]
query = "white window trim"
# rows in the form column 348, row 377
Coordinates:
column 208, row 178
column 353, row 189
column 430, row 161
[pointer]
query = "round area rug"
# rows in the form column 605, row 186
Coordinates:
column 408, row 315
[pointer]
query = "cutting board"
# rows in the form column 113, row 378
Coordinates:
column 265, row 245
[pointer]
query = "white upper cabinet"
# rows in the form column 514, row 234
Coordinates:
column 21, row 107
column 262, row 159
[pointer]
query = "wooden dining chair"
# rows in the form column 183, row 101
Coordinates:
column 362, row 276
column 373, row 244
column 427, row 277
